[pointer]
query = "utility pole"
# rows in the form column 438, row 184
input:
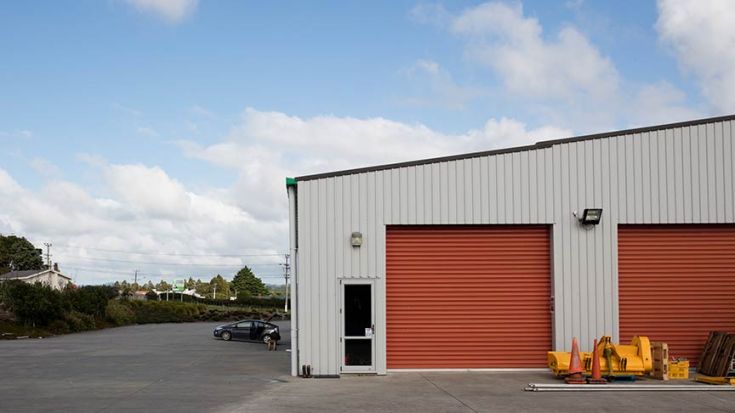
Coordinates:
column 48, row 254
column 214, row 295
column 136, row 277
column 286, row 275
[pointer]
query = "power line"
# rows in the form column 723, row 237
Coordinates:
column 175, row 263
column 140, row 273
column 173, row 254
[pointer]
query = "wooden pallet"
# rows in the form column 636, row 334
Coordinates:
column 718, row 355
column 660, row 355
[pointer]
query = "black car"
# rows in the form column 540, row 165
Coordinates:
column 251, row 330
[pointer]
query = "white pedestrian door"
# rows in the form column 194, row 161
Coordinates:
column 358, row 327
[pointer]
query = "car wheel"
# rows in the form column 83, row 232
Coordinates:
column 267, row 338
column 226, row 335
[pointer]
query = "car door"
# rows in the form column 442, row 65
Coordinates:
column 242, row 330
column 256, row 330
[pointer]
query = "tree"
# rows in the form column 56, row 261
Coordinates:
column 246, row 281
column 163, row 286
column 276, row 290
column 17, row 253
column 202, row 288
column 190, row 284
column 223, row 287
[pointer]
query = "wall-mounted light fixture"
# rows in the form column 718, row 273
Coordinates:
column 590, row 216
column 356, row 239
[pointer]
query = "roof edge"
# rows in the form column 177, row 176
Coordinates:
column 538, row 145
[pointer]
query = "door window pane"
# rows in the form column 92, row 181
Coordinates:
column 358, row 309
column 358, row 352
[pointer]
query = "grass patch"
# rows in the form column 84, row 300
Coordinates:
column 11, row 331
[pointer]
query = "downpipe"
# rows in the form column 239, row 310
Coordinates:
column 292, row 241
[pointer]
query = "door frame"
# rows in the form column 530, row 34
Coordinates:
column 342, row 338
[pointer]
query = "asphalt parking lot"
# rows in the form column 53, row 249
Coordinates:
column 181, row 368
column 146, row 368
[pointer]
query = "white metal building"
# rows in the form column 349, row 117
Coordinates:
column 481, row 261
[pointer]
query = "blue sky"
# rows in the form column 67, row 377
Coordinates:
column 167, row 126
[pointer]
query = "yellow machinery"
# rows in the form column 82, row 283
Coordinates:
column 633, row 359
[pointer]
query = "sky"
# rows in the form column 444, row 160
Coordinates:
column 155, row 135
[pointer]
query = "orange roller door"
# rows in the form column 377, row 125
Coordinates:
column 676, row 283
column 467, row 296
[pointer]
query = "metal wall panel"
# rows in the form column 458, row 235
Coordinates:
column 679, row 175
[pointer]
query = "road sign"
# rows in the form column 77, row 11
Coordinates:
column 179, row 286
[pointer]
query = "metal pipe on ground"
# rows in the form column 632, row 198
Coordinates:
column 543, row 387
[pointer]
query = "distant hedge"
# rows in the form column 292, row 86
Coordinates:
column 93, row 307
column 271, row 302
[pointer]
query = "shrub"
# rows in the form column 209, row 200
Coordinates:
column 59, row 327
column 164, row 311
column 90, row 300
column 79, row 322
column 119, row 314
column 33, row 304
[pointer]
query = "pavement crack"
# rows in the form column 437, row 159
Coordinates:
column 449, row 394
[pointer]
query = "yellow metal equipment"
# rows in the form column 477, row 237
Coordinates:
column 615, row 359
column 715, row 380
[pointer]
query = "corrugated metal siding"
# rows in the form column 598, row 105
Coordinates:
column 677, row 283
column 689, row 169
column 467, row 296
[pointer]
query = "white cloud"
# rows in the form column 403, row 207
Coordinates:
column 268, row 146
column 702, row 36
column 661, row 103
column 568, row 67
column 44, row 167
column 149, row 190
column 435, row 86
column 8, row 185
column 562, row 78
column 173, row 11
column 147, row 132
column 16, row 134
column 201, row 111
column 127, row 110
column 430, row 13
column 144, row 209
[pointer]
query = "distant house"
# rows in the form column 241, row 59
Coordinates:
column 51, row 277
column 139, row 295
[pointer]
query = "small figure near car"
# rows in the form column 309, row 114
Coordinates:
column 273, row 343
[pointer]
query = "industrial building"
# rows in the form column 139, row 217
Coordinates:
column 489, row 260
